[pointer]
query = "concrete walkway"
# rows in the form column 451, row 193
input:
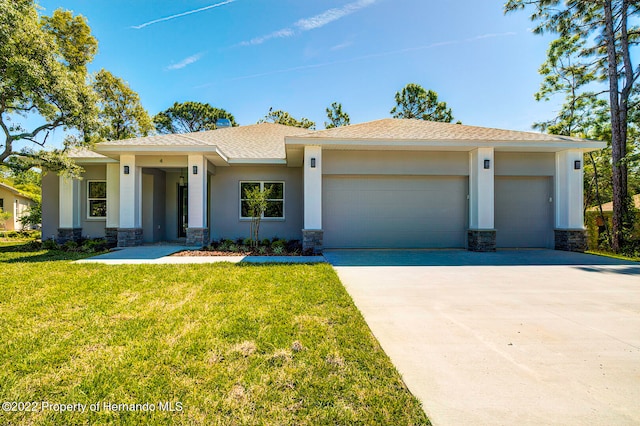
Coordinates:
column 161, row 254
column 506, row 338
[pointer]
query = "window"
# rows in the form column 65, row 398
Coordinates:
column 96, row 199
column 1, row 204
column 275, row 204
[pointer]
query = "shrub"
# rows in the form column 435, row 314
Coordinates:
column 278, row 249
column 50, row 244
column 262, row 250
column 278, row 243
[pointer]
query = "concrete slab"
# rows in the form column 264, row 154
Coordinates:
column 500, row 341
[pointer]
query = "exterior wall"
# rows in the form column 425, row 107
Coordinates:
column 50, row 209
column 525, row 163
column 17, row 206
column 395, row 163
column 92, row 228
column 224, row 214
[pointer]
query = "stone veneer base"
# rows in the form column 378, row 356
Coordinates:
column 481, row 240
column 312, row 241
column 68, row 234
column 111, row 235
column 129, row 237
column 197, row 237
column 571, row 240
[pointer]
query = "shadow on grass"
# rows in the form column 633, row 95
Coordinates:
column 24, row 253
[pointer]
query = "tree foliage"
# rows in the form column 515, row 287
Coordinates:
column 257, row 201
column 337, row 117
column 413, row 101
column 120, row 113
column 283, row 117
column 42, row 72
column 187, row 117
column 590, row 63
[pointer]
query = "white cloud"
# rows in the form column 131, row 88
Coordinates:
column 341, row 46
column 179, row 15
column 186, row 61
column 314, row 22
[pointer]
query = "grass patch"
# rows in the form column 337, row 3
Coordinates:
column 613, row 255
column 233, row 344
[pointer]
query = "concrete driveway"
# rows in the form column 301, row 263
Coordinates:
column 507, row 338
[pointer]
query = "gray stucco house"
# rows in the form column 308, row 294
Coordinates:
column 383, row 184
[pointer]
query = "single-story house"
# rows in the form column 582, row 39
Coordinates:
column 390, row 183
column 16, row 203
column 608, row 207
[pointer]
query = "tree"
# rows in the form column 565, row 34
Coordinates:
column 413, row 101
column 120, row 115
column 592, row 49
column 337, row 117
column 42, row 72
column 187, row 117
column 257, row 201
column 283, row 117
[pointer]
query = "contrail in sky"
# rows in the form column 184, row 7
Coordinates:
column 179, row 15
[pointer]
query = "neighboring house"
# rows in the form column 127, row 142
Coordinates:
column 608, row 207
column 16, row 203
column 383, row 184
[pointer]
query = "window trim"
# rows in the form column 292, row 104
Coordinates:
column 262, row 183
column 89, row 199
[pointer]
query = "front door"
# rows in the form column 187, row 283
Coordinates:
column 183, row 211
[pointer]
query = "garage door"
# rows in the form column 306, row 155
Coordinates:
column 523, row 212
column 394, row 211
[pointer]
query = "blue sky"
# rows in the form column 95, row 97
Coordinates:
column 248, row 55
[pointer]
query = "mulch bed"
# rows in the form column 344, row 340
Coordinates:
column 228, row 253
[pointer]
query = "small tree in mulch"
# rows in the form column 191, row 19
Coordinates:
column 256, row 202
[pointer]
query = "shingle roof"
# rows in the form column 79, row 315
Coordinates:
column 81, row 152
column 608, row 207
column 420, row 130
column 257, row 141
column 14, row 191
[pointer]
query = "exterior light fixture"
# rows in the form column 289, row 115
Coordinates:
column 487, row 164
column 313, row 163
column 126, row 170
column 195, row 170
column 181, row 181
column 576, row 165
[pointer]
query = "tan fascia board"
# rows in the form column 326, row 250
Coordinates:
column 159, row 150
column 471, row 144
column 258, row 161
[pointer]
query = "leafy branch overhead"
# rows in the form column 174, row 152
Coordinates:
column 187, row 117
column 337, row 117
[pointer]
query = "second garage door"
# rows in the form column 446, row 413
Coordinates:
column 394, row 211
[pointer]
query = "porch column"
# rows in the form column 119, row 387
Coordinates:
column 198, row 231
column 312, row 232
column 69, row 201
column 481, row 235
column 569, row 232
column 113, row 203
column 129, row 228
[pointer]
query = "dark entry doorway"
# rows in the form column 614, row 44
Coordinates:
column 183, row 211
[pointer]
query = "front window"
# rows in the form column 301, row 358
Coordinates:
column 97, row 199
column 275, row 203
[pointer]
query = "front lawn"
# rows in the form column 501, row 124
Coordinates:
column 218, row 344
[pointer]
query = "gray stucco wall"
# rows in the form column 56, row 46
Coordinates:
column 224, row 215
column 395, row 163
column 50, row 210
column 525, row 163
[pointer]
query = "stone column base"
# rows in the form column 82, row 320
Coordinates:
column 312, row 241
column 571, row 240
column 111, row 235
column 68, row 234
column 481, row 240
column 197, row 237
column 129, row 237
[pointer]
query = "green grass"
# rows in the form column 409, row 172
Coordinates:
column 236, row 345
column 612, row 255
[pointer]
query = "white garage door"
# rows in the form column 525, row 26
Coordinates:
column 394, row 211
column 524, row 212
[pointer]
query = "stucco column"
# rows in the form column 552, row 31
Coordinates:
column 113, row 203
column 69, row 202
column 198, row 231
column 130, row 227
column 312, row 232
column 569, row 217
column 481, row 235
